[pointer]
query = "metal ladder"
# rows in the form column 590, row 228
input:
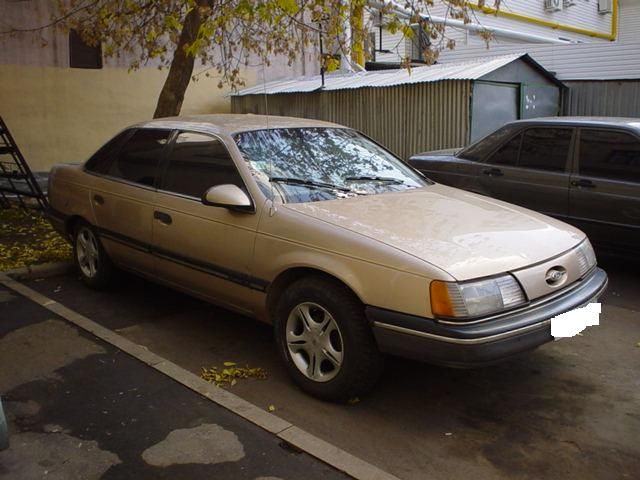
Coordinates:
column 16, row 178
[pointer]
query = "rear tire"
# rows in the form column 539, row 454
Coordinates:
column 91, row 259
column 325, row 340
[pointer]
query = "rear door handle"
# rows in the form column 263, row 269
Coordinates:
column 98, row 199
column 162, row 217
column 583, row 183
column 493, row 172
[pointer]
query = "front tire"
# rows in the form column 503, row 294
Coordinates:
column 325, row 341
column 92, row 261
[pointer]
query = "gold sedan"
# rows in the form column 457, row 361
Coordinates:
column 315, row 228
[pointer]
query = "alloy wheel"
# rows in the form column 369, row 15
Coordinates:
column 314, row 342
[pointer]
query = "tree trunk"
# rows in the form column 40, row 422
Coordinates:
column 175, row 86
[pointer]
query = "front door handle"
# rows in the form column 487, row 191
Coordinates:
column 583, row 183
column 98, row 199
column 493, row 172
column 162, row 217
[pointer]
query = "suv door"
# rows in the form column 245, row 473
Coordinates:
column 605, row 188
column 532, row 170
column 123, row 197
column 204, row 249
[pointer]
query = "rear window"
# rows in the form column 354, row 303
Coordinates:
column 101, row 160
column 478, row 151
column 138, row 159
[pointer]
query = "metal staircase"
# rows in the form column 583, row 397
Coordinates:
column 16, row 178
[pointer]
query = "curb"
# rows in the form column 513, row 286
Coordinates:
column 314, row 446
column 42, row 270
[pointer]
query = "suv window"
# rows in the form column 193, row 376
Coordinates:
column 138, row 159
column 101, row 160
column 609, row 154
column 508, row 153
column 545, row 149
column 198, row 162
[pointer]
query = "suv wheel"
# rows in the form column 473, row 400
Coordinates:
column 325, row 340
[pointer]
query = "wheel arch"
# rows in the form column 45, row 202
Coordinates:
column 71, row 223
column 289, row 276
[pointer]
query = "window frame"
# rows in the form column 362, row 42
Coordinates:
column 164, row 166
column 485, row 160
column 75, row 41
column 132, row 131
column 126, row 135
column 575, row 167
column 569, row 162
column 496, row 146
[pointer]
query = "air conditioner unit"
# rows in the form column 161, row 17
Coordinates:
column 553, row 5
column 605, row 6
column 568, row 3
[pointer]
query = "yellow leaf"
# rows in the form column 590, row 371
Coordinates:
column 272, row 408
column 229, row 364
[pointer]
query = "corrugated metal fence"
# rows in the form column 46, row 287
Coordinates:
column 406, row 119
column 602, row 98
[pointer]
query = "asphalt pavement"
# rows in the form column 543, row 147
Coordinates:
column 570, row 409
column 78, row 408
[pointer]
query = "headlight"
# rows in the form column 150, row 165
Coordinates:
column 475, row 298
column 586, row 257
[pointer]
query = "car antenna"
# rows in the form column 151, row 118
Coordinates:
column 272, row 208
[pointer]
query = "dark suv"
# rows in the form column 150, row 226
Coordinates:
column 583, row 170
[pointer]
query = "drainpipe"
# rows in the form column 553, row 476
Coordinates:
column 472, row 27
column 345, row 57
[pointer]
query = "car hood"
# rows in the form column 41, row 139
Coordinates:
column 465, row 234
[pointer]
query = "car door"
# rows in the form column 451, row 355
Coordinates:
column 203, row 249
column 531, row 169
column 605, row 188
column 123, row 198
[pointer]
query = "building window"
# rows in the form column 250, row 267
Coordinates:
column 418, row 44
column 82, row 55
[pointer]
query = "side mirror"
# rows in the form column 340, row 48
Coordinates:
column 228, row 196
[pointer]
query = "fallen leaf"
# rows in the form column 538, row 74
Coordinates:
column 272, row 408
column 230, row 375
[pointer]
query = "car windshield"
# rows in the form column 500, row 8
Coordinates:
column 314, row 164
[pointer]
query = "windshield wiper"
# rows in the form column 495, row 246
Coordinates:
column 375, row 179
column 308, row 183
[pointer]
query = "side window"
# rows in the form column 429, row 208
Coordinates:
column 197, row 163
column 139, row 157
column 480, row 149
column 101, row 160
column 545, row 149
column 507, row 154
column 609, row 154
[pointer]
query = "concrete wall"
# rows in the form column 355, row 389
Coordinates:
column 64, row 115
column 61, row 114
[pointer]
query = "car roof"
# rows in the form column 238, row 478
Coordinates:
column 584, row 121
column 233, row 123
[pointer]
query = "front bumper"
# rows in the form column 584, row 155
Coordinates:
column 480, row 343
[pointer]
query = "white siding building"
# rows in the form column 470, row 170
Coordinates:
column 524, row 23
